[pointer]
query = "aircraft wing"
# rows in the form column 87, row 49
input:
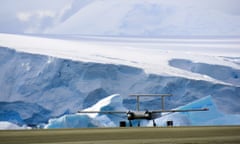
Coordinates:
column 186, row 110
column 103, row 112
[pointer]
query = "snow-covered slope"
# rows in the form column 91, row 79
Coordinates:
column 60, row 75
column 153, row 18
column 148, row 18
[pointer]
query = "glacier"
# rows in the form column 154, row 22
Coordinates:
column 46, row 78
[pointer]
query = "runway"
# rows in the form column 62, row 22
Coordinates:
column 166, row 135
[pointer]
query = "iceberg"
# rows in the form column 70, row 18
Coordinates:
column 211, row 117
column 112, row 102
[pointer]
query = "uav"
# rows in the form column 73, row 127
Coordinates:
column 145, row 115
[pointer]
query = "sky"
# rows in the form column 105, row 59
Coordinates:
column 31, row 16
column 39, row 16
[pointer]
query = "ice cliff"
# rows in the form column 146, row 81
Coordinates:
column 36, row 86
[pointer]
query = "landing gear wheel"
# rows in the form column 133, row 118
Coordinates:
column 154, row 124
column 130, row 123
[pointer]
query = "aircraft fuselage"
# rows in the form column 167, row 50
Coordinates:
column 133, row 115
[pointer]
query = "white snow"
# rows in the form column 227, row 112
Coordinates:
column 113, row 100
column 153, row 18
column 4, row 125
column 121, row 17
